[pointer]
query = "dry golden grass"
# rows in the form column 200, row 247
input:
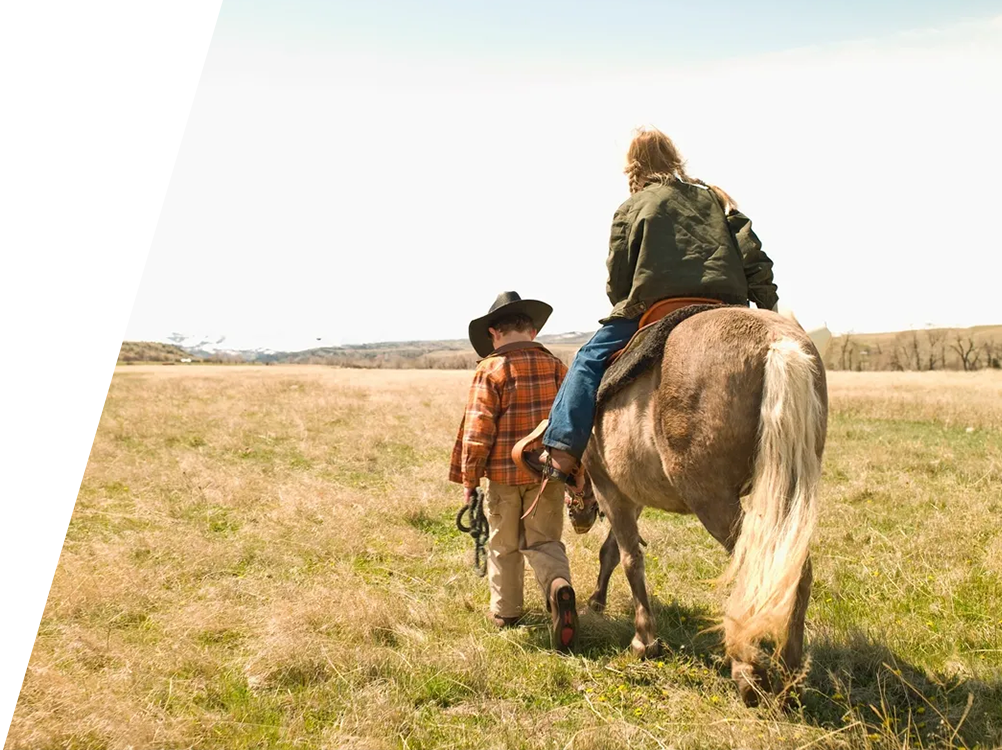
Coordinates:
column 954, row 399
column 266, row 557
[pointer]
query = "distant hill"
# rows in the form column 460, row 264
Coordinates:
column 58, row 345
column 974, row 348
column 452, row 354
column 446, row 354
column 937, row 349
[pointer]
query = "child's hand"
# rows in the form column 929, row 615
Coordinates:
column 468, row 494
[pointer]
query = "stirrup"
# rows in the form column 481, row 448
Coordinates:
column 549, row 471
column 537, row 462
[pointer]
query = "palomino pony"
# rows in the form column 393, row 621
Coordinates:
column 738, row 409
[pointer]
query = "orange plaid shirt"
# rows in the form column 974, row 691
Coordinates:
column 512, row 392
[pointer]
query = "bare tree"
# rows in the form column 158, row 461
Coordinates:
column 936, row 340
column 913, row 348
column 993, row 354
column 970, row 354
column 845, row 352
column 901, row 352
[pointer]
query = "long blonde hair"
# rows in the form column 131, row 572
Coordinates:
column 653, row 157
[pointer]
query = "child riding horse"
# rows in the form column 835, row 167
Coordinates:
column 675, row 237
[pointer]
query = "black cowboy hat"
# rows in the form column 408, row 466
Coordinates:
column 507, row 303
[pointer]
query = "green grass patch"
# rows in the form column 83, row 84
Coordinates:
column 441, row 527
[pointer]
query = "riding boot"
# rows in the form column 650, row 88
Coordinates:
column 563, row 616
column 565, row 464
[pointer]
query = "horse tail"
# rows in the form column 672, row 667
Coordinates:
column 781, row 512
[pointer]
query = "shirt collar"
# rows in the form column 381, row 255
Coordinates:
column 514, row 346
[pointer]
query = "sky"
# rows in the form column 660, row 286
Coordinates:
column 381, row 171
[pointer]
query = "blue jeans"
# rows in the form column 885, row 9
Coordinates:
column 573, row 412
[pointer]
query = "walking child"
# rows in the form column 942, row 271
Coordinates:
column 513, row 389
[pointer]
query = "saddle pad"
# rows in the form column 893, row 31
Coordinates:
column 645, row 351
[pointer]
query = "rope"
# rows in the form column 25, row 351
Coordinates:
column 478, row 528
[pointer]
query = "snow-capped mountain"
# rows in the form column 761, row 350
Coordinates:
column 217, row 345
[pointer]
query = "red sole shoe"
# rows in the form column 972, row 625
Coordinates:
column 564, row 630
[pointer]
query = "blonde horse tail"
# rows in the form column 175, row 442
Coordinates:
column 781, row 512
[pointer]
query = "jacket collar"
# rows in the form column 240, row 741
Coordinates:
column 515, row 346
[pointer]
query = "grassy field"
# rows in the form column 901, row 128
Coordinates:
column 266, row 557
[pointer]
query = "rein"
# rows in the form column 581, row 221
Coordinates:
column 478, row 528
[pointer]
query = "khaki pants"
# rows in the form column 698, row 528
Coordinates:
column 537, row 539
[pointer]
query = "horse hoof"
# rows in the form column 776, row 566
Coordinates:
column 753, row 682
column 596, row 603
column 650, row 650
column 748, row 689
column 655, row 650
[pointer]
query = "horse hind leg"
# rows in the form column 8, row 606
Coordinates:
column 754, row 677
column 720, row 513
column 608, row 558
column 791, row 658
column 770, row 566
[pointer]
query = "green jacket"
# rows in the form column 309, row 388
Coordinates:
column 673, row 240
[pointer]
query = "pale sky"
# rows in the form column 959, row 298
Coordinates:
column 355, row 174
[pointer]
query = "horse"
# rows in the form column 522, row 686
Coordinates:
column 731, row 428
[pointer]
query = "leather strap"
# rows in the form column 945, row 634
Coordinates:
column 532, row 507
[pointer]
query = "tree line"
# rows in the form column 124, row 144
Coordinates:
column 916, row 350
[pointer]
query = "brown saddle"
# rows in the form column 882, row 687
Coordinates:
column 522, row 453
column 656, row 312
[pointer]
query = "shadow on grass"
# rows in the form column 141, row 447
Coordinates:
column 681, row 630
column 859, row 678
column 855, row 680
